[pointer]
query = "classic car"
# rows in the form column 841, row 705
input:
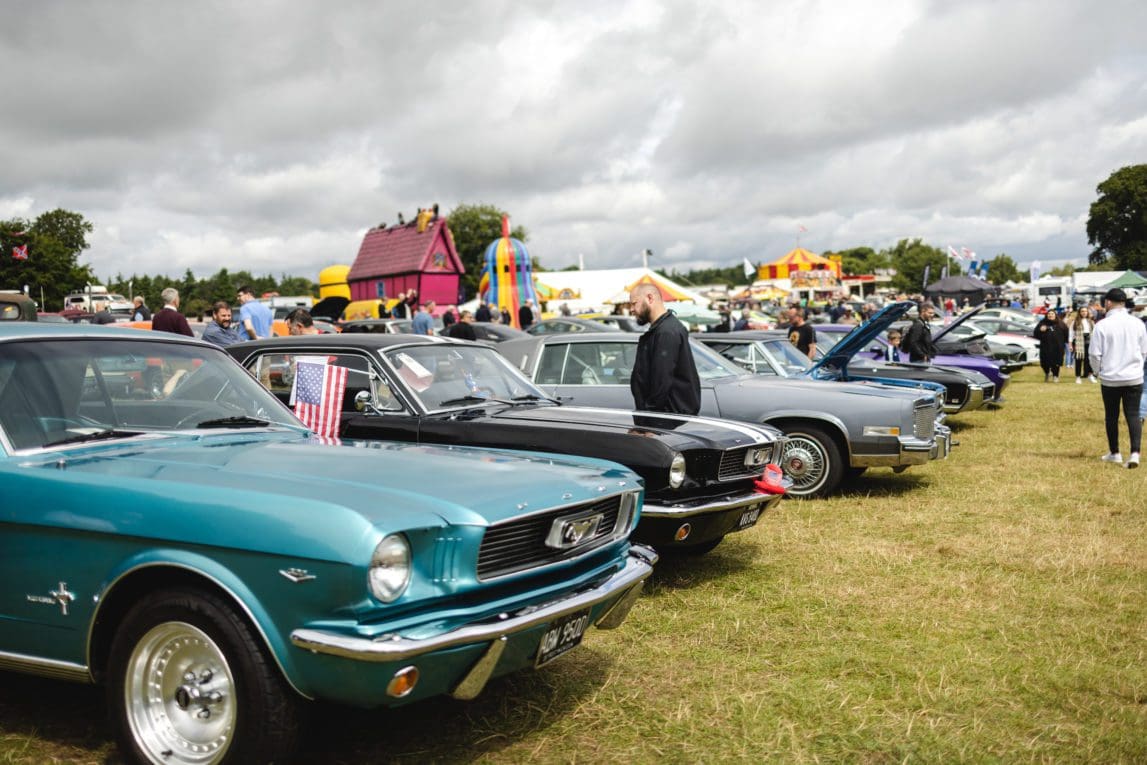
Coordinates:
column 1001, row 334
column 571, row 324
column 771, row 353
column 194, row 548
column 829, row 335
column 700, row 474
column 833, row 429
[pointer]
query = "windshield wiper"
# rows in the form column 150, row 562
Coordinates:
column 472, row 400
column 99, row 435
column 241, row 421
column 533, row 398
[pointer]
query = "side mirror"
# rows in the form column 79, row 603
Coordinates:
column 362, row 401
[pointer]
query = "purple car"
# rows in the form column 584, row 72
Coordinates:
column 828, row 335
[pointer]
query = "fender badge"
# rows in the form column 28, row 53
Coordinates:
column 297, row 575
column 59, row 596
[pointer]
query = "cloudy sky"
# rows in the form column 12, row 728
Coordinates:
column 271, row 135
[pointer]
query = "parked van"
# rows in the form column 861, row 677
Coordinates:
column 96, row 298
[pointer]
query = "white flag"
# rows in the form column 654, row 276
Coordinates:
column 750, row 269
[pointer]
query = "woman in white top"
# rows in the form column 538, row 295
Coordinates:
column 1079, row 338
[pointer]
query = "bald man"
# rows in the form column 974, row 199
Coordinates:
column 664, row 375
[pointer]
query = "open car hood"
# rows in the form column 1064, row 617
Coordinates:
column 837, row 357
column 330, row 308
column 955, row 323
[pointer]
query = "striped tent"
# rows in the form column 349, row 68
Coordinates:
column 507, row 280
column 670, row 292
column 798, row 259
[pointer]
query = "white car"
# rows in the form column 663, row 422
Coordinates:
column 987, row 329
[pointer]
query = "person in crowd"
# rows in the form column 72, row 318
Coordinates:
column 917, row 343
column 483, row 312
column 801, row 333
column 564, row 309
column 526, row 314
column 1118, row 355
column 168, row 318
column 892, row 351
column 1079, row 339
column 383, row 311
column 104, row 315
column 463, row 329
column 743, row 322
column 1051, row 333
column 140, row 311
column 220, row 330
column 255, row 318
column 411, row 302
column 449, row 317
column 424, row 320
column 664, row 375
column 398, row 310
column 507, row 319
column 300, row 322
column 847, row 316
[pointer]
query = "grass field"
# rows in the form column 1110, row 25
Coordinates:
column 990, row 608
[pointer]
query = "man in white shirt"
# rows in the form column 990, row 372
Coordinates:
column 1118, row 348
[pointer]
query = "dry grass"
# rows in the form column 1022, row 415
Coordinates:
column 991, row 608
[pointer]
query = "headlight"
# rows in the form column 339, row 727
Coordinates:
column 390, row 568
column 677, row 470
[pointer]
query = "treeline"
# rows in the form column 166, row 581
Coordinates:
column 197, row 295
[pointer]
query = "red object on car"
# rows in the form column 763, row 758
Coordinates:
column 771, row 481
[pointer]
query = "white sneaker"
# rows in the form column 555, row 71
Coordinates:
column 1133, row 460
column 1092, row 378
column 1055, row 379
column 1079, row 381
column 1115, row 457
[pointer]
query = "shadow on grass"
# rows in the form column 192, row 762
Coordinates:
column 67, row 718
column 678, row 570
column 958, row 426
column 882, row 483
column 68, row 722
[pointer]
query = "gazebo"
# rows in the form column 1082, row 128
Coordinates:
column 1126, row 280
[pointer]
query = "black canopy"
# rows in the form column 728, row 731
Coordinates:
column 960, row 287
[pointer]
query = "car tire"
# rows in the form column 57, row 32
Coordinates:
column 189, row 681
column 812, row 459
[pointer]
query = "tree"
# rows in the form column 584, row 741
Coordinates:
column 1002, row 268
column 861, row 260
column 1117, row 221
column 910, row 258
column 474, row 227
column 54, row 241
column 1065, row 270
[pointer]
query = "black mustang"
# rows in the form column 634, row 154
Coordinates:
column 702, row 476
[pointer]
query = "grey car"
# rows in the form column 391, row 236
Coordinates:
column 834, row 429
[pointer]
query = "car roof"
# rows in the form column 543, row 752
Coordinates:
column 348, row 340
column 48, row 330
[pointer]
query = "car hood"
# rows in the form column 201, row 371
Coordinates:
column 792, row 388
column 678, row 431
column 956, row 322
column 837, row 357
column 382, row 481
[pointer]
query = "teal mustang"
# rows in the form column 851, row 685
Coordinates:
column 170, row 530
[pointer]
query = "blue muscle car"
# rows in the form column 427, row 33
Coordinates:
column 172, row 531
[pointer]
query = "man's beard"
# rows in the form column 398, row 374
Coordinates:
column 642, row 315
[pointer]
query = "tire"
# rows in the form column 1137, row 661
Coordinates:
column 190, row 683
column 812, row 460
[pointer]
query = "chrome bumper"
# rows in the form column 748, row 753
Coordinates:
column 627, row 583
column 687, row 511
column 913, row 451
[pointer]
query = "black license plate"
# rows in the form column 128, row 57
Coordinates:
column 561, row 636
column 749, row 516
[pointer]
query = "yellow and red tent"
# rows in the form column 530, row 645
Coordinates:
column 798, row 259
column 670, row 292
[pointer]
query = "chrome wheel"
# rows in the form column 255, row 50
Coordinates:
column 179, row 696
column 805, row 462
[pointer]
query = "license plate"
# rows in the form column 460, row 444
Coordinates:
column 562, row 635
column 749, row 517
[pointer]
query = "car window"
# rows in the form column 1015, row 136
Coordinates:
column 450, row 376
column 51, row 391
column 599, row 364
column 276, row 371
column 552, row 363
column 785, row 355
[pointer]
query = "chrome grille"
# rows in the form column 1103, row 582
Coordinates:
column 989, row 391
column 520, row 544
column 733, row 463
column 925, row 424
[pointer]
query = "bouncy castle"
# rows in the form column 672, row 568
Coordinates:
column 507, row 279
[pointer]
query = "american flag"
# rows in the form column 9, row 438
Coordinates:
column 20, row 252
column 318, row 394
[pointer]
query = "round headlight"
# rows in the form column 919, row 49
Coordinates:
column 390, row 568
column 677, row 470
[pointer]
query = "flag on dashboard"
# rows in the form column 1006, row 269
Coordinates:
column 20, row 252
column 318, row 396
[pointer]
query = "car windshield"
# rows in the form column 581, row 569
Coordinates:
column 453, row 376
column 712, row 365
column 786, row 355
column 54, row 392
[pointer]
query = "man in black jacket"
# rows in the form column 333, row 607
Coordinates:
column 918, row 341
column 664, row 374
